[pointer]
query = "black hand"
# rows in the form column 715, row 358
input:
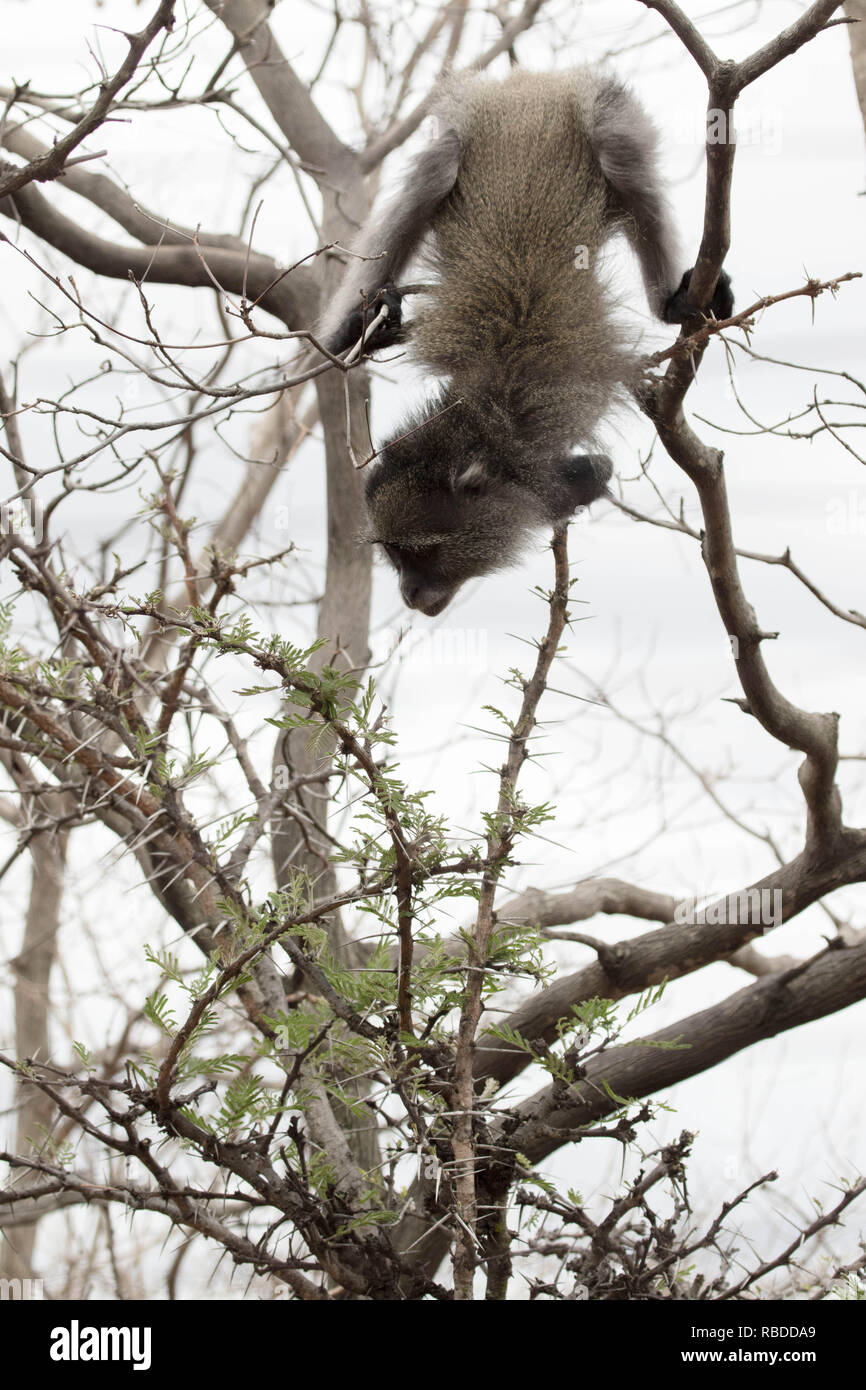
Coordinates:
column 384, row 335
column 678, row 307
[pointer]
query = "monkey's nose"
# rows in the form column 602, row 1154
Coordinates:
column 427, row 598
column 431, row 605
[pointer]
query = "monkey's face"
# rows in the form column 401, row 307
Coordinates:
column 444, row 503
column 423, row 584
column 442, row 520
column 462, row 542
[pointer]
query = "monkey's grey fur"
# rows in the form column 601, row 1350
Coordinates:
column 514, row 200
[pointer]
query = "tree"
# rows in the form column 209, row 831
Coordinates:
column 314, row 1080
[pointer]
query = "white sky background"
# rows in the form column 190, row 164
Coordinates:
column 652, row 637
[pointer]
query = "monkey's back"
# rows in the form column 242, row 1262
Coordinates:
column 518, row 306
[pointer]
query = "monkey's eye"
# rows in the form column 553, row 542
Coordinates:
column 401, row 557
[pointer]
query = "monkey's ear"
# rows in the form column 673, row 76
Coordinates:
column 583, row 479
column 472, row 476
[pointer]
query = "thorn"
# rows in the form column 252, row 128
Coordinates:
column 735, row 700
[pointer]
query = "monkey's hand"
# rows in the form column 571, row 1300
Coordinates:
column 385, row 334
column 678, row 307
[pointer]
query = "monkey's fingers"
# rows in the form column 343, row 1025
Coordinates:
column 362, row 320
column 722, row 302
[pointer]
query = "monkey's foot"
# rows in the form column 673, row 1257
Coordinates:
column 678, row 307
column 385, row 333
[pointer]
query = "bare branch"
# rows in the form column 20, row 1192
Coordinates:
column 50, row 165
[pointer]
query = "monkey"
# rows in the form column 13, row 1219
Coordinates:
column 511, row 203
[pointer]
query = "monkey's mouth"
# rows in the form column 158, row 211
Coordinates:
column 432, row 607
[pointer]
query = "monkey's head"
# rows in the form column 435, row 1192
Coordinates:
column 452, row 497
column 439, row 535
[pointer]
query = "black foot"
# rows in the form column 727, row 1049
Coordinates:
column 678, row 307
column 385, row 334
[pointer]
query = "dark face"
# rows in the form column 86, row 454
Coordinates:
column 439, row 505
column 422, row 584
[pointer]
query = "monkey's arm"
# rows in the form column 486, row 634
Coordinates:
column 386, row 245
column 625, row 143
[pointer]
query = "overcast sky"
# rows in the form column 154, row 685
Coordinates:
column 651, row 637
